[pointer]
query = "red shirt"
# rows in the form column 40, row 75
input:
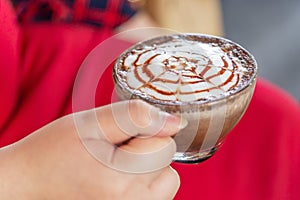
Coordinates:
column 260, row 158
column 100, row 13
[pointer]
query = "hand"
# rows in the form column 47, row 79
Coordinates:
column 56, row 162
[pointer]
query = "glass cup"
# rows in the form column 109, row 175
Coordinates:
column 207, row 80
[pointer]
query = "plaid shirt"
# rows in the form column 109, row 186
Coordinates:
column 102, row 13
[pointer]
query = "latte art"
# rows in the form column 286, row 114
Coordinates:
column 182, row 69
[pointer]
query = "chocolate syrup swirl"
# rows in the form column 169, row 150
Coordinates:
column 185, row 69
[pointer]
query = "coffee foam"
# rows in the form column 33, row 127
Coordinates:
column 185, row 68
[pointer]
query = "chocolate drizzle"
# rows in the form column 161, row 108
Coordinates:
column 182, row 70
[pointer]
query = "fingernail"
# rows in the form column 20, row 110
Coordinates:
column 183, row 122
column 164, row 115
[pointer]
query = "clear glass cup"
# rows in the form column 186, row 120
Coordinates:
column 214, row 85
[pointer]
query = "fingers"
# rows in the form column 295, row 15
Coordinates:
column 161, row 184
column 120, row 135
column 123, row 120
column 166, row 184
column 142, row 155
column 139, row 155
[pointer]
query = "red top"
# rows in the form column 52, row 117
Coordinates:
column 260, row 158
column 8, row 64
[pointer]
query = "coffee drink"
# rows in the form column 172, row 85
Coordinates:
column 207, row 80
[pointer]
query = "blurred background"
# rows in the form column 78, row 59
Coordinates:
column 269, row 29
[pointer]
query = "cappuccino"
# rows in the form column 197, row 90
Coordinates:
column 205, row 79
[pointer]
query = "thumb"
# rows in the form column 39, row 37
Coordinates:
column 111, row 134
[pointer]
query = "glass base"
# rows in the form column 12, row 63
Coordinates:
column 194, row 157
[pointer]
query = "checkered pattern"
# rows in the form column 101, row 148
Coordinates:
column 102, row 13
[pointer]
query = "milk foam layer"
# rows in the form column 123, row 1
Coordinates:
column 185, row 69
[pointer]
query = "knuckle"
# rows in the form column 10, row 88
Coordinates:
column 140, row 112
